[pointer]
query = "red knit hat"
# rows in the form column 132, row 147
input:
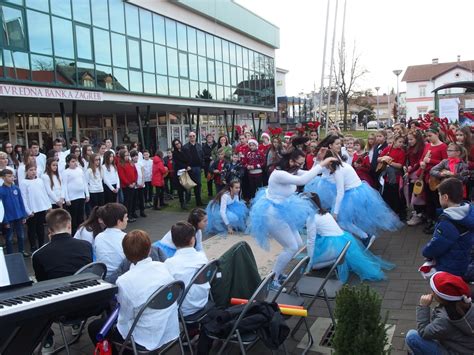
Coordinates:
column 288, row 134
column 450, row 287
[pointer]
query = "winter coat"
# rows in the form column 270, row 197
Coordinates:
column 12, row 203
column 456, row 336
column 452, row 240
column 127, row 173
column 158, row 172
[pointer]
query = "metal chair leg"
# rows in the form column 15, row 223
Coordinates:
column 63, row 334
column 310, row 337
column 186, row 334
column 241, row 344
column 329, row 307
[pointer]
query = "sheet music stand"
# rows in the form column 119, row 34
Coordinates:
column 17, row 271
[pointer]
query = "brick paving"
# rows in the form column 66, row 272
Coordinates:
column 400, row 292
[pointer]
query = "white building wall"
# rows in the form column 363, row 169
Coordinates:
column 280, row 83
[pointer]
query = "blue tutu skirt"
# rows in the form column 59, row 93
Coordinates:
column 169, row 251
column 293, row 211
column 236, row 213
column 364, row 208
column 358, row 260
column 325, row 189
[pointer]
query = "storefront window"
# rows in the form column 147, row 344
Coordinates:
column 81, row 11
column 63, row 38
column 100, row 13
column 13, row 28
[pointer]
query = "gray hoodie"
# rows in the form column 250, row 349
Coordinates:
column 456, row 336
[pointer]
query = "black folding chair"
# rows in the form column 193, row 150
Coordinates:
column 162, row 298
column 204, row 275
column 290, row 298
column 96, row 268
column 326, row 288
column 245, row 339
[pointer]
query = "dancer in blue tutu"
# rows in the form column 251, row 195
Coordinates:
column 326, row 241
column 357, row 207
column 198, row 218
column 226, row 213
column 278, row 212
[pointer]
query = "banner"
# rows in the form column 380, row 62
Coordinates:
column 449, row 108
column 49, row 93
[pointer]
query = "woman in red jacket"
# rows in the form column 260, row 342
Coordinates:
column 158, row 173
column 128, row 179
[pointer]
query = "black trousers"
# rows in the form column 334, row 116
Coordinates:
column 129, row 199
column 96, row 199
column 139, row 200
column 148, row 191
column 391, row 196
column 36, row 229
column 432, row 202
column 255, row 181
column 159, row 195
column 109, row 195
column 76, row 210
column 170, row 185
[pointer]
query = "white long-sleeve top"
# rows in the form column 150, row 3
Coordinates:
column 323, row 225
column 108, row 248
column 147, row 168
column 34, row 195
column 111, row 177
column 140, row 174
column 94, row 181
column 183, row 266
column 56, row 193
column 282, row 184
column 225, row 201
column 168, row 240
column 40, row 164
column 74, row 184
column 345, row 178
column 83, row 234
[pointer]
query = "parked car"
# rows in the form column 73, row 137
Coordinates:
column 372, row 125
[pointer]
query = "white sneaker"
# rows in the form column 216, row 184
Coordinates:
column 415, row 220
column 413, row 214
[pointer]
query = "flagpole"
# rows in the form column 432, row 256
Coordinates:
column 331, row 66
column 321, row 95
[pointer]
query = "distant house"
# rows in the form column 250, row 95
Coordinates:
column 423, row 79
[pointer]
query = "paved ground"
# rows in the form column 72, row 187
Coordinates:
column 400, row 291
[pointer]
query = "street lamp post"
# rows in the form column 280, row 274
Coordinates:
column 377, row 88
column 397, row 73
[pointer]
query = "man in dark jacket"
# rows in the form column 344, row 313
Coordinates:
column 195, row 155
column 207, row 148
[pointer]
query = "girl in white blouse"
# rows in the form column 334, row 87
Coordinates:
column 37, row 203
column 111, row 178
column 52, row 183
column 94, row 178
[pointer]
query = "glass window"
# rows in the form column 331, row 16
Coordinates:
column 104, row 77
column 162, row 84
column 211, row 89
column 160, row 60
column 233, row 59
column 41, row 5
column 61, row 8
column 102, row 46
column 63, row 38
column 192, row 40
column 148, row 57
column 81, row 11
column 210, row 71
column 239, row 55
column 201, row 43
column 194, row 90
column 210, row 46
column 170, row 33
column 218, row 48
column 65, row 71
column 245, row 60
column 219, row 77
column 233, row 75
column 18, row 2
column 184, row 87
column 136, row 81
column 117, row 16
column 225, row 51
column 83, row 42
column 202, row 69
column 119, row 50
column 13, row 31
column 121, row 77
column 174, row 86
column 100, row 13
column 134, row 58
column 203, row 90
column 42, row 68
column 149, row 82
column 14, row 63
column 193, row 67
column 40, row 32
column 146, row 25
column 183, row 65
column 131, row 17
column 252, row 62
column 219, row 93
column 172, row 62
column 226, row 74
column 159, row 29
column 182, row 38
column 85, row 74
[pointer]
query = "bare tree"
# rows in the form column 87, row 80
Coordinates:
column 348, row 72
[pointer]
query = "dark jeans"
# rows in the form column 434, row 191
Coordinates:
column 36, row 229
column 96, row 199
column 148, row 192
column 159, row 195
column 391, row 196
column 109, row 195
column 432, row 203
column 76, row 210
column 17, row 227
column 196, row 176
column 255, row 181
column 139, row 200
column 170, row 185
column 128, row 199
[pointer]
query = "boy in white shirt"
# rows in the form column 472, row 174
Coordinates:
column 139, row 186
column 108, row 244
column 184, row 265
column 147, row 164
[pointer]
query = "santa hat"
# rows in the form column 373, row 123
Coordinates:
column 288, row 134
column 253, row 141
column 265, row 134
column 450, row 287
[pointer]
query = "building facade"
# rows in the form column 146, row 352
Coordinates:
column 131, row 70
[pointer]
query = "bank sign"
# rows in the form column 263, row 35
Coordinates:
column 49, row 93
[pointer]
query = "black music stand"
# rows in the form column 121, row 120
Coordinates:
column 17, row 271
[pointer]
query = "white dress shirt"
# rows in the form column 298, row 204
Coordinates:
column 74, row 184
column 168, row 240
column 94, row 181
column 147, row 168
column 83, row 234
column 111, row 177
column 40, row 163
column 56, row 193
column 155, row 327
column 183, row 266
column 34, row 196
column 108, row 248
column 140, row 174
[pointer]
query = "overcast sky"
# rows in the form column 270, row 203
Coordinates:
column 389, row 34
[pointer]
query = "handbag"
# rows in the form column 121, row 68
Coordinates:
column 186, row 181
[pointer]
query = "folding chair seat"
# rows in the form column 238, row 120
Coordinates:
column 308, row 286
